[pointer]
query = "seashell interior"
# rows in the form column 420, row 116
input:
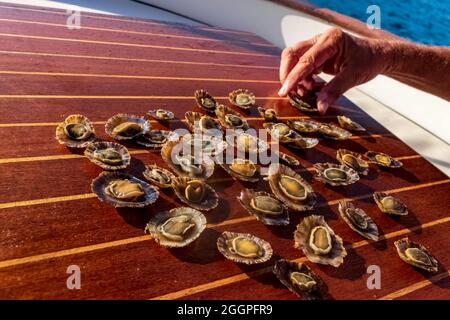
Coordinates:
column 243, row 167
column 176, row 228
column 416, row 255
column 358, row 220
column 244, row 248
column 124, row 190
column 264, row 207
column 390, row 204
column 242, row 98
column 267, row 205
column 320, row 240
column 269, row 115
column 76, row 131
column 292, row 188
column 301, row 125
column 335, row 174
column 349, row 124
column 331, row 131
column 383, row 159
column 205, row 100
column 159, row 176
column 298, row 102
column 195, row 191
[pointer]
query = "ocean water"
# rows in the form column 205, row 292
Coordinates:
column 424, row 21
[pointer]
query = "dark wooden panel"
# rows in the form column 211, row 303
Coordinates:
column 41, row 235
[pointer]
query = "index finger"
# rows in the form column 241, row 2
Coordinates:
column 290, row 56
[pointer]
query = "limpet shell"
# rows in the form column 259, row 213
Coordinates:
column 335, row 174
column 279, row 215
column 165, row 179
column 390, row 204
column 311, row 286
column 191, row 221
column 353, row 160
column 161, row 114
column 299, row 102
column 349, row 124
column 203, row 124
column 230, row 119
column 358, row 220
column 205, row 101
column 242, row 169
column 228, row 244
column 303, row 199
column 330, row 131
column 155, row 139
column 106, row 179
column 304, row 125
column 173, row 154
column 117, row 158
column 289, row 160
column 269, row 115
column 383, row 159
column 137, row 126
column 205, row 144
column 72, row 122
column 209, row 198
column 242, row 98
column 303, row 143
column 281, row 132
column 416, row 255
column 247, row 143
column 335, row 253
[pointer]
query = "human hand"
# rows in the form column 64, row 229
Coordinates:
column 352, row 60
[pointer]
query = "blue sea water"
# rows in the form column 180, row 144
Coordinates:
column 424, row 21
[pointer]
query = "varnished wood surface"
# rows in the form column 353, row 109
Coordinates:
column 50, row 219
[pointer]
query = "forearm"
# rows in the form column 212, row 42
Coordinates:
column 423, row 67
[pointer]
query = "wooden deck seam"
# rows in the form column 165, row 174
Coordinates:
column 150, row 34
column 218, row 29
column 49, row 54
column 139, row 45
column 7, row 263
column 236, row 278
column 137, row 77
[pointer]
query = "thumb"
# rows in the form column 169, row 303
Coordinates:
column 342, row 82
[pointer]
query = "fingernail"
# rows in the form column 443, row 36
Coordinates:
column 283, row 90
column 322, row 103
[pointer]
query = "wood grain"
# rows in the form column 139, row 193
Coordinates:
column 50, row 219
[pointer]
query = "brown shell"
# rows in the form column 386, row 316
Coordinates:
column 331, row 131
column 303, row 143
column 147, row 175
column 259, row 145
column 123, row 151
column 216, row 145
column 202, row 94
column 167, row 116
column 394, row 163
column 233, row 96
column 378, row 197
column 121, row 118
column 221, row 113
column 362, row 167
column 370, row 233
column 301, row 237
column 303, row 125
column 299, row 102
column 282, row 270
column 194, row 119
column 176, row 148
column 238, row 176
column 289, row 137
column 73, row 143
column 211, row 199
column 245, row 198
column 289, row 160
column 349, row 124
column 226, row 236
column 352, row 175
column 403, row 244
column 161, row 217
column 148, row 140
column 274, row 174
column 102, row 181
column 269, row 115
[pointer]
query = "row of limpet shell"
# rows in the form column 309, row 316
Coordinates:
column 241, row 98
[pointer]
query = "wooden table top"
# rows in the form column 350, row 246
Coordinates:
column 51, row 220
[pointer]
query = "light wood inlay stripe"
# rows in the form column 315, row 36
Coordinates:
column 137, row 45
column 124, row 76
column 40, row 257
column 47, row 54
column 416, row 286
column 240, row 277
column 151, row 34
column 85, row 14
